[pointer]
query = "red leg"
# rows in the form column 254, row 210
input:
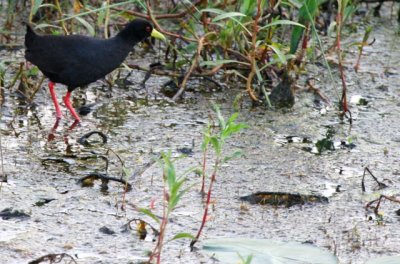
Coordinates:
column 55, row 102
column 67, row 103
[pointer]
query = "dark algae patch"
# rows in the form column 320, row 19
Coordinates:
column 283, row 199
column 12, row 214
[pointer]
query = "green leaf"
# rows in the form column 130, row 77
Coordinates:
column 172, row 202
column 216, row 145
column 101, row 15
column 227, row 15
column 233, row 117
column 206, row 137
column 248, row 7
column 234, row 128
column 282, row 22
column 87, row 25
column 295, row 39
column 171, row 176
column 308, row 11
column 176, row 194
column 258, row 74
column 237, row 101
column 183, row 235
column 246, row 260
column 213, row 10
column 307, row 14
column 349, row 11
column 296, row 3
column 219, row 62
column 181, row 193
column 205, row 143
column 33, row 71
column 44, row 25
column 150, row 214
column 127, row 171
column 234, row 155
column 36, row 6
column 221, row 12
column 279, row 53
column 175, row 188
column 190, row 48
column 169, row 170
column 221, row 120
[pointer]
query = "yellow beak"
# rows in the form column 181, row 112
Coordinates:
column 157, row 35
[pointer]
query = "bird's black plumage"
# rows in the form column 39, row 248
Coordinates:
column 77, row 60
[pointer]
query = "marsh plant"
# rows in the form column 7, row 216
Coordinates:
column 216, row 140
column 172, row 193
column 174, row 186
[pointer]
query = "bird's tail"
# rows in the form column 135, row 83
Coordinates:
column 30, row 35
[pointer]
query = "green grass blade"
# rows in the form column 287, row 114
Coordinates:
column 150, row 214
column 282, row 22
column 227, row 15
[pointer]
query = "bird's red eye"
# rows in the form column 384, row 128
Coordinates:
column 148, row 29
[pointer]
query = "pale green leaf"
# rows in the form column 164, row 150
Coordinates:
column 183, row 235
column 213, row 10
column 282, row 22
column 216, row 145
column 87, row 25
column 150, row 214
column 279, row 53
column 233, row 117
column 220, row 62
column 36, row 5
column 227, row 15
column 234, row 155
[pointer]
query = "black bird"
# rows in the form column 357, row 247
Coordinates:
column 77, row 60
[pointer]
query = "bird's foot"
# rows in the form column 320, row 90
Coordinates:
column 68, row 104
column 76, row 122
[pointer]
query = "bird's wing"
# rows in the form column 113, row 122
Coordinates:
column 49, row 53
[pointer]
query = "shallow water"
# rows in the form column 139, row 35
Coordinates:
column 138, row 130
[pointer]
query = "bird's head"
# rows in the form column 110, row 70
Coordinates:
column 139, row 30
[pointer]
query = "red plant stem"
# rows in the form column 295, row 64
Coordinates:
column 304, row 44
column 203, row 222
column 343, row 100
column 157, row 250
column 204, row 170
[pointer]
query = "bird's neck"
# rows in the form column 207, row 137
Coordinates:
column 127, row 36
column 30, row 36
